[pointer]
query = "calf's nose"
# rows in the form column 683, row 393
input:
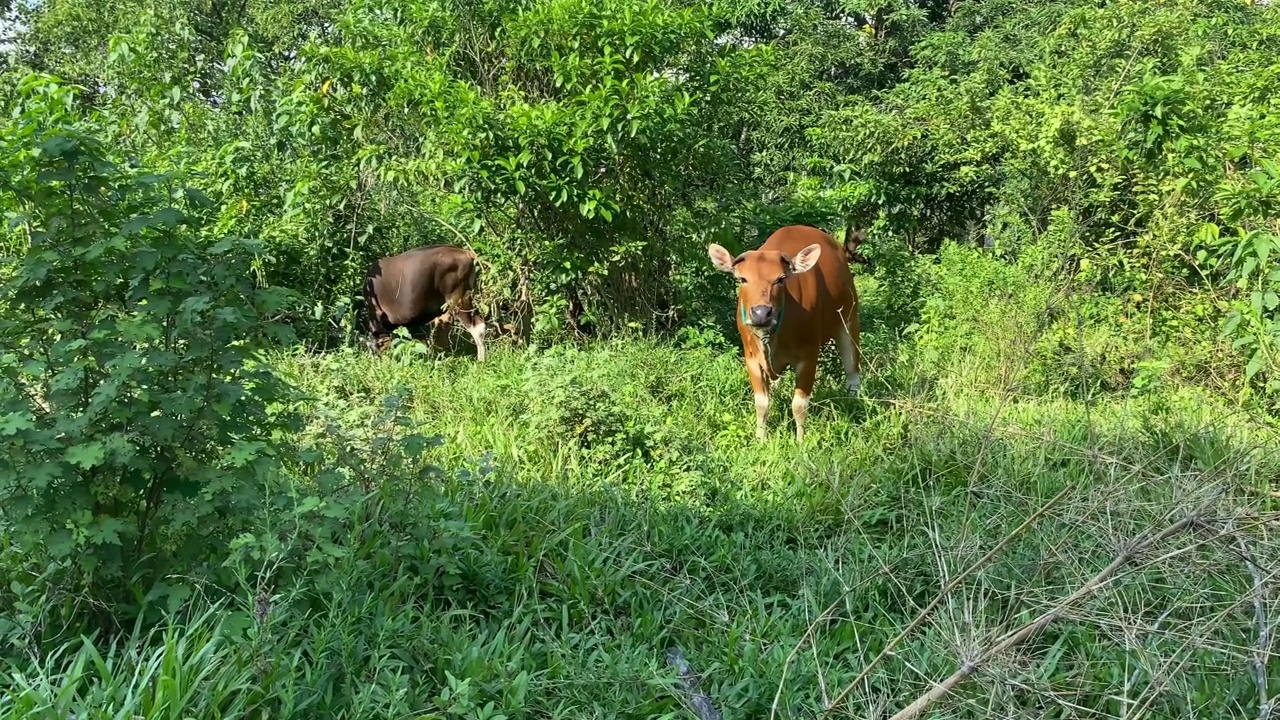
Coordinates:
column 761, row 314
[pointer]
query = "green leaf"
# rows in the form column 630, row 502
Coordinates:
column 1255, row 364
column 243, row 452
column 106, row 531
column 1262, row 246
column 11, row 423
column 175, row 595
column 196, row 197
column 416, row 444
column 333, row 550
column 1233, row 322
column 42, row 475
column 86, row 455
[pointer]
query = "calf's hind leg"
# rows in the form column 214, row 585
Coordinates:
column 378, row 336
column 850, row 355
column 378, row 342
column 805, row 373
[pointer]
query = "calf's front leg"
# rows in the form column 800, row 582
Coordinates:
column 760, row 388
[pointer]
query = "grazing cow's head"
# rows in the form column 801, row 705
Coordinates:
column 760, row 275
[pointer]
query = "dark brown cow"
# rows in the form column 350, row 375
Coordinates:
column 795, row 293
column 422, row 287
column 853, row 239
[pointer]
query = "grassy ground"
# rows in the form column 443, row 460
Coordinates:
column 586, row 509
column 527, row 537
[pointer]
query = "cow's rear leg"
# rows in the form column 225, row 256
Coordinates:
column 850, row 355
column 465, row 311
column 434, row 328
column 379, row 338
column 805, row 373
column 379, row 334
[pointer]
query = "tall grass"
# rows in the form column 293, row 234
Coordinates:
column 596, row 506
column 531, row 534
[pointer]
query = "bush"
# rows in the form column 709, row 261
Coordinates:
column 1142, row 124
column 135, row 416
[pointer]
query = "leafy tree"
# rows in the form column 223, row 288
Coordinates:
column 1125, row 126
column 589, row 151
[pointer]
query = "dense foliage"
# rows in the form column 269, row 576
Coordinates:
column 210, row 507
column 133, row 408
column 589, row 151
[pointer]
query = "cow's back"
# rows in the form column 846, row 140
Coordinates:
column 412, row 287
column 825, row 295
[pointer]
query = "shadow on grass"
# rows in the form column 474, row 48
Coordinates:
column 551, row 598
column 571, row 528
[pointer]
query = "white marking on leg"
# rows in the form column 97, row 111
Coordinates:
column 762, row 414
column 853, row 379
column 477, row 334
column 799, row 406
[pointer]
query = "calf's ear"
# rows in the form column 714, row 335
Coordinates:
column 720, row 258
column 806, row 259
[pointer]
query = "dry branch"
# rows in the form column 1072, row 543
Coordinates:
column 1262, row 651
column 942, row 594
column 1027, row 631
column 697, row 700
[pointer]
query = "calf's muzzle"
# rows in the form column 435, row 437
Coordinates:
column 761, row 316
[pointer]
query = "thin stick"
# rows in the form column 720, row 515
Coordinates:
column 808, row 633
column 1035, row 626
column 1263, row 650
column 461, row 238
column 942, row 594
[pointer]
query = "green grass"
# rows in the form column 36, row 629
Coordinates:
column 587, row 508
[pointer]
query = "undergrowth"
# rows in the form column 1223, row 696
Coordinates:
column 529, row 536
column 525, row 537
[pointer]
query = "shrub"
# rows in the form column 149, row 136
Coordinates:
column 134, row 415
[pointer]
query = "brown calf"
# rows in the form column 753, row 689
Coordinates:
column 795, row 293
column 420, row 288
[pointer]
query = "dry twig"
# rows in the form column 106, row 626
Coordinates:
column 942, row 595
column 808, row 633
column 1035, row 626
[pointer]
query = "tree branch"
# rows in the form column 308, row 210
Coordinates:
column 1262, row 651
column 698, row 701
